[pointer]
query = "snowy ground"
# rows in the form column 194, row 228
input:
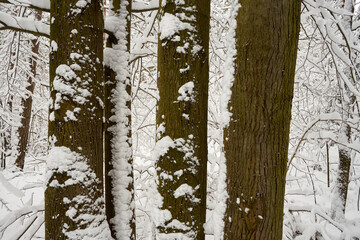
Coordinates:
column 22, row 201
column 22, row 208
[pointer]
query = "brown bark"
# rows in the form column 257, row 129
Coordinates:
column 76, row 62
column 24, row 129
column 184, row 120
column 256, row 140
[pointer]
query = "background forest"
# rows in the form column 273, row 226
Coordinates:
column 322, row 197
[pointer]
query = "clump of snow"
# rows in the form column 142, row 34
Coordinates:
column 82, row 209
column 162, row 146
column 81, row 3
column 53, row 46
column 177, row 225
column 171, row 25
column 183, row 190
column 63, row 160
column 70, row 116
column 186, row 92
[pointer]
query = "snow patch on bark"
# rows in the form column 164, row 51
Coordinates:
column 186, row 92
column 89, row 215
column 171, row 25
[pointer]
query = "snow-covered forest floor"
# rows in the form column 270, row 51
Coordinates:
column 307, row 205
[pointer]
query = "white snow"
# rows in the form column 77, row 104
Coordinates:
column 171, row 25
column 117, row 59
column 186, row 92
column 54, row 46
column 183, row 190
column 26, row 24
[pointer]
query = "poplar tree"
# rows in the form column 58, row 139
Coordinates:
column 257, row 137
column 183, row 72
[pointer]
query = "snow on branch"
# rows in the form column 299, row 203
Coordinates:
column 326, row 5
column 13, row 216
column 43, row 5
column 144, row 7
column 24, row 25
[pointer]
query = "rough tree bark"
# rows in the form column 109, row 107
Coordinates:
column 74, row 202
column 24, row 129
column 256, row 140
column 182, row 117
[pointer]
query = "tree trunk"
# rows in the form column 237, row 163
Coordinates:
column 338, row 202
column 256, row 140
column 183, row 72
column 119, row 179
column 74, row 202
column 24, row 129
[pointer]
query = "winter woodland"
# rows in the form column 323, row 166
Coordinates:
column 180, row 119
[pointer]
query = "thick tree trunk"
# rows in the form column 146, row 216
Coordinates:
column 256, row 140
column 119, row 179
column 24, row 129
column 183, row 73
column 74, row 203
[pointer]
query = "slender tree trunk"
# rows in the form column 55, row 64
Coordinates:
column 181, row 147
column 2, row 143
column 256, row 140
column 24, row 129
column 8, row 138
column 119, row 179
column 74, row 202
column 338, row 203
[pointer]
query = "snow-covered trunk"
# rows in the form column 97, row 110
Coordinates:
column 257, row 137
column 10, row 139
column 181, row 148
column 74, row 202
column 338, row 202
column 119, row 180
column 24, row 129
